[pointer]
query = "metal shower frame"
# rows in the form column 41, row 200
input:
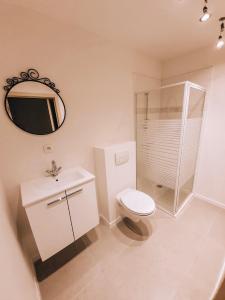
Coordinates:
column 186, row 97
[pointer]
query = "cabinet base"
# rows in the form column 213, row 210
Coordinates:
column 45, row 268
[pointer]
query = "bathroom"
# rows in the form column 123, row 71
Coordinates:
column 100, row 57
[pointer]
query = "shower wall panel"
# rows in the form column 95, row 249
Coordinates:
column 160, row 150
column 169, row 122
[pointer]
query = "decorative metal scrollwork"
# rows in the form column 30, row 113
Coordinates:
column 30, row 75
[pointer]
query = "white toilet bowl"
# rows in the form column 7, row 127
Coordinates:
column 135, row 205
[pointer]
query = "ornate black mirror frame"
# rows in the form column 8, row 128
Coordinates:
column 31, row 75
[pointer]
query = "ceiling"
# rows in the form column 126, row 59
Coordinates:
column 161, row 28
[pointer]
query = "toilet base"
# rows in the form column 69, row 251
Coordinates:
column 142, row 230
column 141, row 226
column 135, row 218
column 133, row 226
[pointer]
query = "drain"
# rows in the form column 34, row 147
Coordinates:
column 159, row 186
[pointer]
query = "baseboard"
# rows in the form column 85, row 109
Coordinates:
column 112, row 223
column 210, row 200
column 38, row 293
column 187, row 200
column 31, row 262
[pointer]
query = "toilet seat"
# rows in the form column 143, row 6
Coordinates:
column 137, row 202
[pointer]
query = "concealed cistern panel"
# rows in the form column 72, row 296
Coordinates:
column 115, row 171
column 121, row 157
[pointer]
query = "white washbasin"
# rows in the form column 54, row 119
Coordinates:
column 43, row 187
column 49, row 183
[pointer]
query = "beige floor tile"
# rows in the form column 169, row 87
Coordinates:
column 179, row 259
column 107, row 244
column 71, row 277
column 207, row 264
column 141, row 277
column 198, row 216
column 100, row 288
column 217, row 230
column 192, row 291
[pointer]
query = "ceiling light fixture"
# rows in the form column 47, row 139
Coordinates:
column 220, row 42
column 206, row 15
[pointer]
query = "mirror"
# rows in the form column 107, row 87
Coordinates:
column 34, row 104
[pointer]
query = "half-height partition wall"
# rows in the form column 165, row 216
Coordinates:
column 168, row 130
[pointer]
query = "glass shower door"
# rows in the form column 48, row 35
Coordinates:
column 159, row 123
column 190, row 143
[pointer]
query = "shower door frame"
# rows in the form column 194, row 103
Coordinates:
column 187, row 87
column 185, row 106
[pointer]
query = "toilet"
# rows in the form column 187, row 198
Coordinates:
column 135, row 205
column 118, row 198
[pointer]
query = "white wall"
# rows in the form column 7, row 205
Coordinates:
column 146, row 74
column 17, row 279
column 95, row 78
column 206, row 67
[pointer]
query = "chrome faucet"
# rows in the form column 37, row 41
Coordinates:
column 54, row 171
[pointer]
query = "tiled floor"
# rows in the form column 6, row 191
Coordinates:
column 180, row 260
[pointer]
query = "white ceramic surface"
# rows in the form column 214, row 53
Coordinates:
column 137, row 202
column 43, row 187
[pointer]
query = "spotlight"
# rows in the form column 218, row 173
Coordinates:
column 206, row 15
column 220, row 42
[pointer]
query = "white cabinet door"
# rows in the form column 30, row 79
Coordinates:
column 51, row 225
column 83, row 208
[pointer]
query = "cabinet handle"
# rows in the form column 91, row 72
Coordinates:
column 56, row 201
column 74, row 193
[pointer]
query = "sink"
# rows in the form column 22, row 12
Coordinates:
column 73, row 175
column 63, row 179
column 43, row 187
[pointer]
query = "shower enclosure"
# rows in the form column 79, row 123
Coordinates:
column 168, row 126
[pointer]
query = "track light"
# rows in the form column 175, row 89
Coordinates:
column 206, row 15
column 220, row 42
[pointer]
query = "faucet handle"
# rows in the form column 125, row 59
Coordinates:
column 54, row 170
column 59, row 169
column 49, row 173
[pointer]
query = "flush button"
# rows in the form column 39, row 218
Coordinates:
column 121, row 157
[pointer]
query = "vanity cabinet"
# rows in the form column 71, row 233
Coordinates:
column 58, row 220
column 82, row 207
column 50, row 224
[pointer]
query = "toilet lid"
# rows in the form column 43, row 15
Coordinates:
column 138, row 202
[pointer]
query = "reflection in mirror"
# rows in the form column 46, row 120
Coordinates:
column 35, row 107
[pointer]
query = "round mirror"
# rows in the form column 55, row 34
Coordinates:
column 34, row 104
